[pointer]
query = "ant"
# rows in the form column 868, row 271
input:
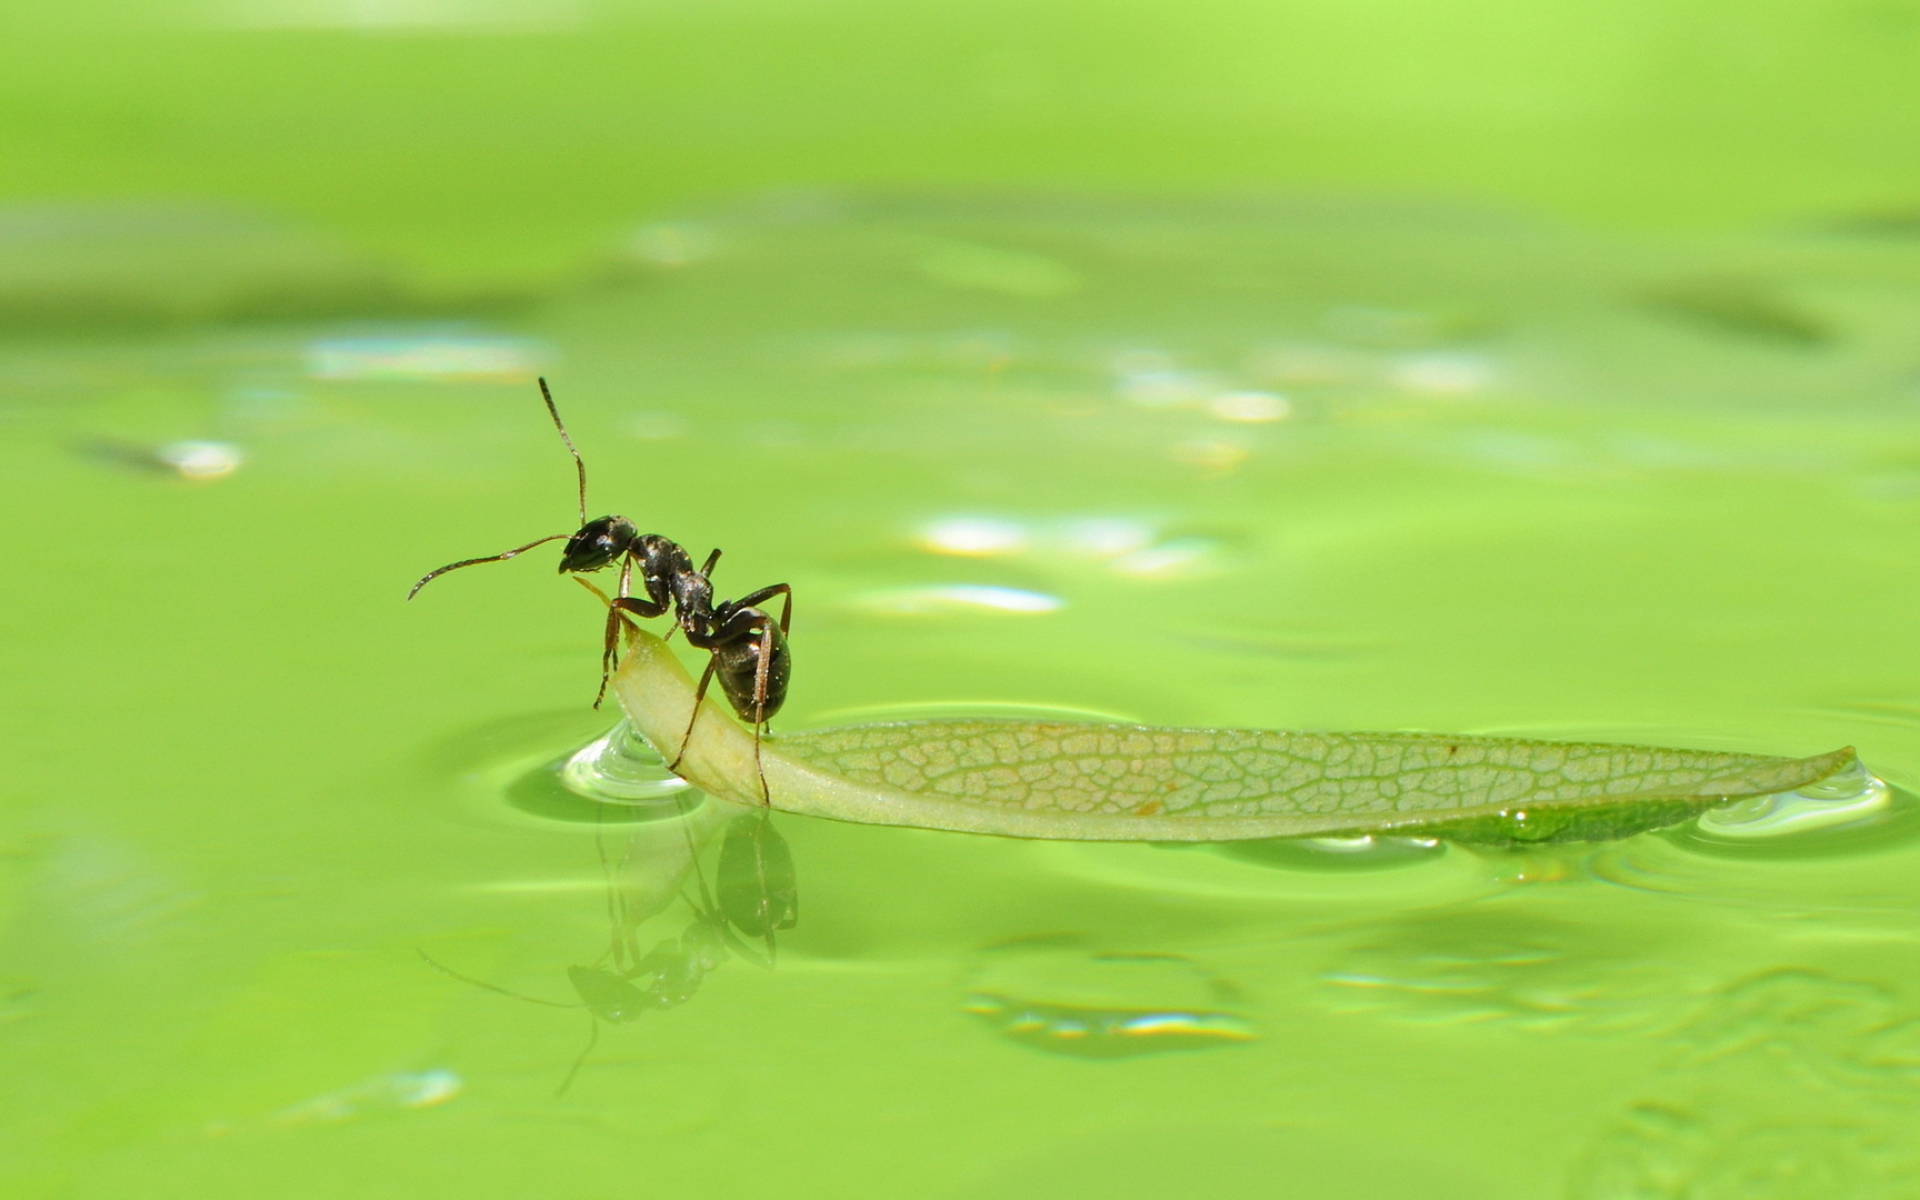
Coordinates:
column 746, row 648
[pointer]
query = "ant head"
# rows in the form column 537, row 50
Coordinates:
column 598, row 543
column 606, row 995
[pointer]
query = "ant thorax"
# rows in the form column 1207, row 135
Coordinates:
column 692, row 594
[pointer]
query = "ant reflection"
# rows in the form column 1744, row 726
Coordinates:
column 754, row 896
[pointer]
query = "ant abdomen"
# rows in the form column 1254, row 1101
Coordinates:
column 754, row 694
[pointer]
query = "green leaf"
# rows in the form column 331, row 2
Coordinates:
column 1048, row 779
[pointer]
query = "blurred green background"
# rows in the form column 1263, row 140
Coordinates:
column 502, row 143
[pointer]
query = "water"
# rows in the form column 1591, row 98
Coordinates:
column 1251, row 463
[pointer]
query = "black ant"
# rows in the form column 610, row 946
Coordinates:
column 746, row 648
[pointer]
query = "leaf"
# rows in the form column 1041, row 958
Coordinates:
column 1048, row 779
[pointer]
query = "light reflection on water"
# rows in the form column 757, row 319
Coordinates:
column 1055, row 996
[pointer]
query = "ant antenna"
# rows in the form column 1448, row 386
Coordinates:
column 579, row 463
column 437, row 572
column 481, row 983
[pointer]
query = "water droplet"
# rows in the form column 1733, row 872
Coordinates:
column 1849, row 798
column 194, row 460
column 201, row 460
column 622, row 768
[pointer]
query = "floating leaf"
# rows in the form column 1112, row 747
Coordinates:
column 1050, row 779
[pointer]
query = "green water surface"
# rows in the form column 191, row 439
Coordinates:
column 1065, row 359
column 1501, row 478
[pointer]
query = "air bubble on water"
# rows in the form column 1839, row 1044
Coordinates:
column 622, row 768
column 1849, row 797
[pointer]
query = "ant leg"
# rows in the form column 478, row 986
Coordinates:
column 610, row 641
column 593, row 1039
column 760, row 858
column 760, row 706
column 588, row 584
column 754, row 599
column 617, row 925
column 617, row 606
column 699, row 697
column 766, row 796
